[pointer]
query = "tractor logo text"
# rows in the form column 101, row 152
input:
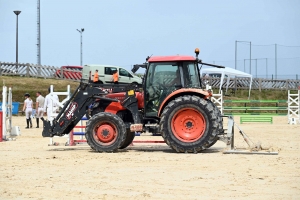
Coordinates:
column 71, row 110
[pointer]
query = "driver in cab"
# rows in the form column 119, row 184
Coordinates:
column 176, row 81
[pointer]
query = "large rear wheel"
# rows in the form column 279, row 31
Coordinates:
column 105, row 132
column 189, row 124
column 220, row 122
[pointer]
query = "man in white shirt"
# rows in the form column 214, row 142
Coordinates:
column 40, row 100
column 27, row 108
column 50, row 105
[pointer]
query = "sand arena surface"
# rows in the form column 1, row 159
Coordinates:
column 30, row 169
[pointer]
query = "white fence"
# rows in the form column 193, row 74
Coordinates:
column 41, row 71
column 32, row 70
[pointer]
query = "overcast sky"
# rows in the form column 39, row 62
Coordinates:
column 126, row 32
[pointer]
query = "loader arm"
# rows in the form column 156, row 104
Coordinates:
column 74, row 109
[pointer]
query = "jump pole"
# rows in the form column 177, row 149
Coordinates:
column 6, row 113
column 1, row 125
column 4, row 96
column 72, row 142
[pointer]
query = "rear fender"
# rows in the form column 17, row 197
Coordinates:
column 184, row 91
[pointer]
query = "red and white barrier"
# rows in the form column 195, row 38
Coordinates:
column 73, row 141
column 8, row 132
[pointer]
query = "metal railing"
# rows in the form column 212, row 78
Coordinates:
column 44, row 71
column 257, row 83
column 39, row 71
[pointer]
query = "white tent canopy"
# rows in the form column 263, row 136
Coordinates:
column 230, row 73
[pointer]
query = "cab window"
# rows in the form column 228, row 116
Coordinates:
column 123, row 72
column 109, row 70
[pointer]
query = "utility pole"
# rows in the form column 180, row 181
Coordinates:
column 17, row 12
column 80, row 31
column 275, row 61
column 236, row 53
column 38, row 44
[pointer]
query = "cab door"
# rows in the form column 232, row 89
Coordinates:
column 124, row 76
column 108, row 72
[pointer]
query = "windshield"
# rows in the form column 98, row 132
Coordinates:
column 165, row 77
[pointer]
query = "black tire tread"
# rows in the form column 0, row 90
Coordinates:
column 129, row 138
column 205, row 141
column 220, row 122
column 118, row 122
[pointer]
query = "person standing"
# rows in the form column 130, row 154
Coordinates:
column 39, row 107
column 116, row 77
column 50, row 104
column 27, row 108
column 96, row 77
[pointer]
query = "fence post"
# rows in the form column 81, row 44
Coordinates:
column 38, row 70
column 61, row 73
column 27, row 69
column 259, row 84
column 287, row 84
column 235, row 85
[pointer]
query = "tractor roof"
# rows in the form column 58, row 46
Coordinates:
column 171, row 58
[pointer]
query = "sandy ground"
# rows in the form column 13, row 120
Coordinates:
column 30, row 169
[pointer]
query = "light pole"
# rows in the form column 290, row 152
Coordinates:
column 236, row 53
column 256, row 65
column 275, row 61
column 255, row 68
column 17, row 12
column 250, row 64
column 267, row 67
column 80, row 31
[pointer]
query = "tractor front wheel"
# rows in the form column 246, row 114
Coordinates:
column 129, row 138
column 189, row 124
column 105, row 132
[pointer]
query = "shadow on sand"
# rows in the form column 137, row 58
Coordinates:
column 134, row 148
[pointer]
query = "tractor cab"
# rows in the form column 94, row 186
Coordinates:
column 164, row 75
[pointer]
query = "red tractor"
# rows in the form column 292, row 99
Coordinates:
column 171, row 103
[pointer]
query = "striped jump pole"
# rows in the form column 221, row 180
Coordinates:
column 1, row 124
column 6, row 124
column 256, row 110
column 71, row 140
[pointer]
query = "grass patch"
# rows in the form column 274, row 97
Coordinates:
column 257, row 95
column 22, row 85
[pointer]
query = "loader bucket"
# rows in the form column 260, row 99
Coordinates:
column 47, row 132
